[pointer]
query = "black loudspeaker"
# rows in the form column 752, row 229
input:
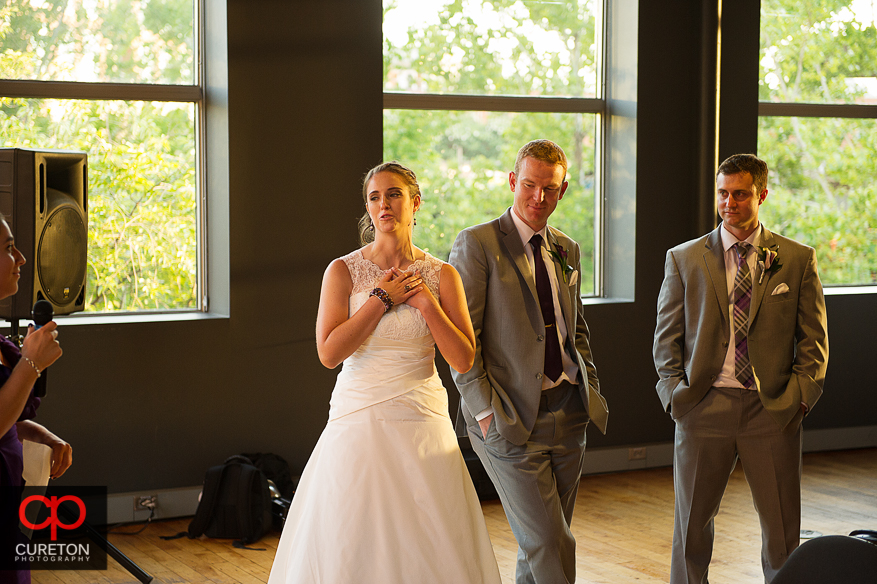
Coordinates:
column 44, row 198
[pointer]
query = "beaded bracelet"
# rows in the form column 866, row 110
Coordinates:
column 383, row 297
column 32, row 364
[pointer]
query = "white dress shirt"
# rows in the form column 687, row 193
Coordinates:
column 570, row 367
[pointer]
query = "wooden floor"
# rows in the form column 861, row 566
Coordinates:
column 623, row 526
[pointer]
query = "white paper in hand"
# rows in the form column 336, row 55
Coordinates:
column 37, row 463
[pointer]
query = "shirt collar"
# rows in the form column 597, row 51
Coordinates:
column 525, row 231
column 728, row 238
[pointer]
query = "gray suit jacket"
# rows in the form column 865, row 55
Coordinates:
column 509, row 330
column 788, row 331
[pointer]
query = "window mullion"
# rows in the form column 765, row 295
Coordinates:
column 99, row 91
column 494, row 103
column 816, row 110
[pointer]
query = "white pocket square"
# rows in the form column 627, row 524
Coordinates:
column 574, row 278
column 781, row 289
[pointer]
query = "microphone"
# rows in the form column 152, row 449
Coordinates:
column 42, row 314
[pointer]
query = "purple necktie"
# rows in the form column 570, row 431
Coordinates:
column 553, row 361
column 741, row 298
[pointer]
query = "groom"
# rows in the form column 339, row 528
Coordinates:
column 533, row 388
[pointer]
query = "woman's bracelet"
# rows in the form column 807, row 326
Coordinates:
column 32, row 364
column 383, row 297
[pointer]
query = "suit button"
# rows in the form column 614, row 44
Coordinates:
column 539, row 376
column 713, row 377
column 725, row 344
column 540, row 338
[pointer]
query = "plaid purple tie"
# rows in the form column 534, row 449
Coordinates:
column 741, row 298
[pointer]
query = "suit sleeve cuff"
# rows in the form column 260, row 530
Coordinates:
column 483, row 414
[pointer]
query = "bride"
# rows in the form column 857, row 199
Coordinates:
column 385, row 496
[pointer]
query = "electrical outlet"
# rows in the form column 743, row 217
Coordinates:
column 145, row 503
column 638, row 453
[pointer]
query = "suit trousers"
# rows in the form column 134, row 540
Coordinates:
column 728, row 424
column 537, row 483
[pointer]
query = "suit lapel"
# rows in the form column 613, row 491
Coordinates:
column 562, row 286
column 714, row 263
column 759, row 288
column 515, row 248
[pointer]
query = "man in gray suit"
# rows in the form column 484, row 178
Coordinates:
column 533, row 388
column 741, row 349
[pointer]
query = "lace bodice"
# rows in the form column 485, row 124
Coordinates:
column 402, row 321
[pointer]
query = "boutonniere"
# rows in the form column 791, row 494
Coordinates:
column 768, row 260
column 559, row 254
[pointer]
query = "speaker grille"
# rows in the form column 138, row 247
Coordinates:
column 61, row 257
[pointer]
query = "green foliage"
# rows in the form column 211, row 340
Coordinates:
column 809, row 49
column 124, row 41
column 463, row 158
column 822, row 191
column 142, row 240
column 142, row 244
column 500, row 47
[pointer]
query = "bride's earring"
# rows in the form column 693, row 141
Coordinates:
column 415, row 219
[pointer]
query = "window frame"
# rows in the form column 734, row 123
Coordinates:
column 774, row 109
column 195, row 94
column 398, row 100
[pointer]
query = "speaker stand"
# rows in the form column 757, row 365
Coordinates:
column 112, row 550
column 14, row 336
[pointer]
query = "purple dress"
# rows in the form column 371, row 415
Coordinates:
column 11, row 466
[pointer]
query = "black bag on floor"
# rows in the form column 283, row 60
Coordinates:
column 276, row 470
column 235, row 503
column 868, row 535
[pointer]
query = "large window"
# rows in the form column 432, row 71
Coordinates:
column 467, row 83
column 818, row 130
column 117, row 79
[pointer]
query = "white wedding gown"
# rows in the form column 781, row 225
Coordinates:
column 386, row 497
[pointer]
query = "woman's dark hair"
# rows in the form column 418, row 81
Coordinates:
column 366, row 227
